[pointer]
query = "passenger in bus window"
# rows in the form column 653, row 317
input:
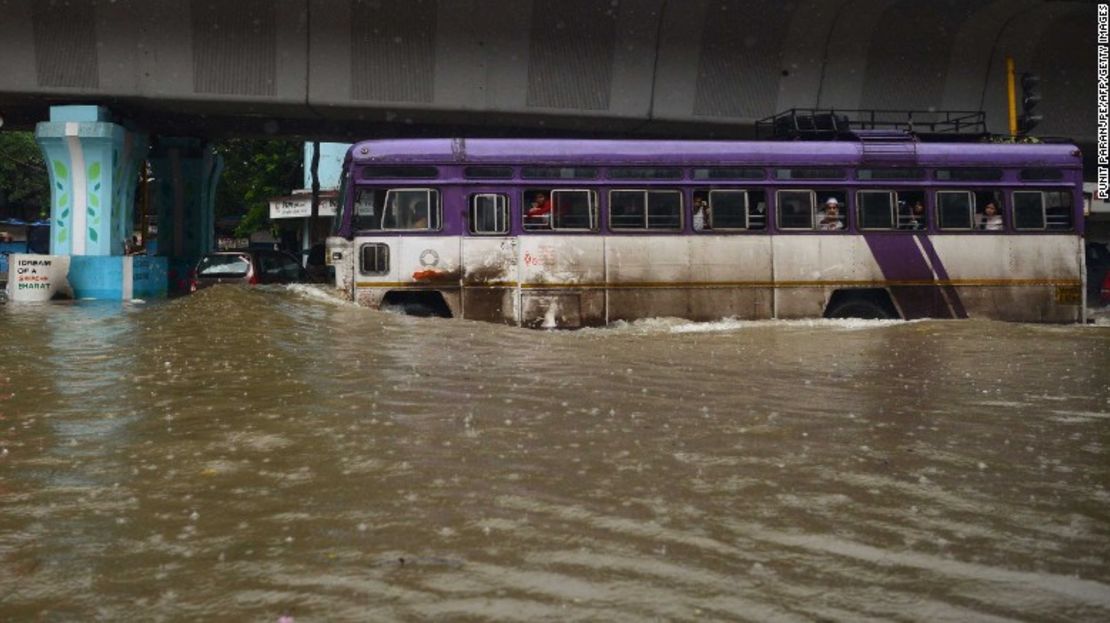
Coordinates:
column 701, row 212
column 757, row 217
column 830, row 218
column 915, row 220
column 539, row 212
column 540, row 205
column 991, row 219
column 420, row 214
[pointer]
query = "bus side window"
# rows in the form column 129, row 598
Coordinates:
column 574, row 209
column 954, row 209
column 368, row 208
column 728, row 209
column 988, row 211
column 411, row 209
column 1058, row 210
column 645, row 209
column 912, row 214
column 627, row 209
column 1042, row 210
column 489, row 213
column 1029, row 212
column 757, row 209
column 664, row 209
column 795, row 209
column 875, row 209
column 831, row 214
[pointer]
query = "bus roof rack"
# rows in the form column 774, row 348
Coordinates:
column 828, row 124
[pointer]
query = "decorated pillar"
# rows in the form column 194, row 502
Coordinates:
column 186, row 172
column 93, row 165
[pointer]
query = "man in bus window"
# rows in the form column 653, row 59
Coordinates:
column 916, row 218
column 830, row 218
column 991, row 219
column 420, row 214
column 757, row 218
column 701, row 213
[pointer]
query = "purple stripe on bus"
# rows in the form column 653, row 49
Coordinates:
column 900, row 259
column 942, row 273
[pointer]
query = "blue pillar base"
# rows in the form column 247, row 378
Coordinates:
column 118, row 278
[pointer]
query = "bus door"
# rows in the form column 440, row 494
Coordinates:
column 489, row 252
column 375, row 268
column 562, row 262
column 376, row 249
column 426, row 259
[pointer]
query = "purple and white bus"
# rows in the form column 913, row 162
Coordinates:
column 571, row 233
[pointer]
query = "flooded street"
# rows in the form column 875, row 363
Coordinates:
column 238, row 454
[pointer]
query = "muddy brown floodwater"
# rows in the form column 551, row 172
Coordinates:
column 237, row 454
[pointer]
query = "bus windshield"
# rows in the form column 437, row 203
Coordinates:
column 341, row 204
column 397, row 209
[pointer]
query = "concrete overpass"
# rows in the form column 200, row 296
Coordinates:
column 696, row 68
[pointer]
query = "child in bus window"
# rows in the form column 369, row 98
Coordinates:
column 991, row 219
column 830, row 218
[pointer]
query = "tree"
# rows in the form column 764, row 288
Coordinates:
column 24, row 182
column 255, row 171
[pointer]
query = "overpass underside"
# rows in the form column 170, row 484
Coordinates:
column 694, row 68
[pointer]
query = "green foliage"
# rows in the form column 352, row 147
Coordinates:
column 23, row 177
column 254, row 171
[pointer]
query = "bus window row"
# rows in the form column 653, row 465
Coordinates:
column 732, row 209
column 663, row 173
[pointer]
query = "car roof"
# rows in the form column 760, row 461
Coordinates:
column 245, row 252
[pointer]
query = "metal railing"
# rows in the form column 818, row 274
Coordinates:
column 849, row 124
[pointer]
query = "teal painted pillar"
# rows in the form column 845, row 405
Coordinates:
column 331, row 164
column 186, row 172
column 93, row 166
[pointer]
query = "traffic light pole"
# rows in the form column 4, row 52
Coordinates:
column 1011, row 94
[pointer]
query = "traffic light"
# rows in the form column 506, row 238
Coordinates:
column 1030, row 98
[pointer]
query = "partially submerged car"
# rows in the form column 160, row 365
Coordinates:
column 249, row 267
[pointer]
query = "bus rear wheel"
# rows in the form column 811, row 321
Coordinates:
column 424, row 304
column 867, row 305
